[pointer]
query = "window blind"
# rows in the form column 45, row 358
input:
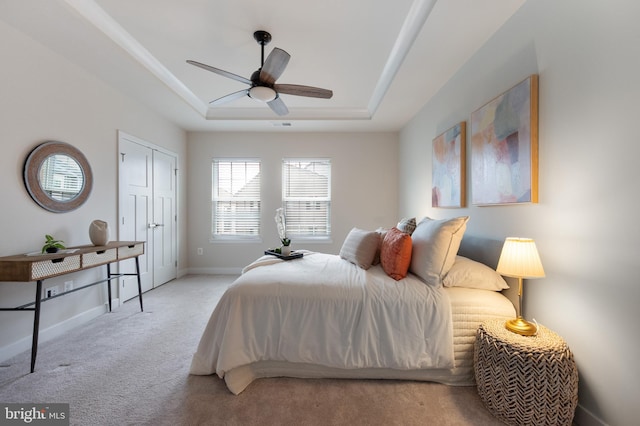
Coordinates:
column 61, row 177
column 306, row 197
column 236, row 199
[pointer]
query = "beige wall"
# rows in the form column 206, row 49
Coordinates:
column 44, row 97
column 584, row 225
column 364, row 187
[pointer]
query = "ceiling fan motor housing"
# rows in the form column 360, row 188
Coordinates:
column 255, row 78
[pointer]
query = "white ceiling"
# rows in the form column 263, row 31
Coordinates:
column 383, row 59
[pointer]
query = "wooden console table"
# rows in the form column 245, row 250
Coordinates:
column 38, row 267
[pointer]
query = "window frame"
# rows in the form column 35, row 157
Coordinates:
column 215, row 197
column 324, row 238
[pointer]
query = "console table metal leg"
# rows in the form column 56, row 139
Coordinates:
column 109, row 284
column 36, row 326
column 139, row 283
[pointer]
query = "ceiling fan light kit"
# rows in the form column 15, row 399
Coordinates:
column 262, row 93
column 262, row 82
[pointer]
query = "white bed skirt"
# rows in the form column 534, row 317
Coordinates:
column 241, row 377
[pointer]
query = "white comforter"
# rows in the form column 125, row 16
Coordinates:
column 321, row 309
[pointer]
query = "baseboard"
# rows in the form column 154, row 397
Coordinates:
column 54, row 331
column 215, row 271
column 585, row 417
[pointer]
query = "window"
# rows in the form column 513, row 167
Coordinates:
column 306, row 197
column 236, row 199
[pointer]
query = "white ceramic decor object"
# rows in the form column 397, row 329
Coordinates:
column 99, row 232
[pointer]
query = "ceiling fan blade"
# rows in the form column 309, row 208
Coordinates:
column 274, row 66
column 230, row 97
column 278, row 106
column 220, row 72
column 298, row 90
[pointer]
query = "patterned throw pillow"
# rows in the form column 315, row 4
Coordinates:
column 407, row 225
column 395, row 255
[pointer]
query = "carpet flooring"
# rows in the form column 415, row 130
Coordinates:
column 132, row 368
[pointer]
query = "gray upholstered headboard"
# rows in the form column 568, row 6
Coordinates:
column 487, row 251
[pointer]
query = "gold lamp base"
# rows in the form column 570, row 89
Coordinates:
column 521, row 326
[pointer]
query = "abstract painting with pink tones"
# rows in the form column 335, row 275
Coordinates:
column 448, row 171
column 504, row 147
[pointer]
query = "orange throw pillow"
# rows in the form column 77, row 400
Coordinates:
column 395, row 254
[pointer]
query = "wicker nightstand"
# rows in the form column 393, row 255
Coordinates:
column 525, row 380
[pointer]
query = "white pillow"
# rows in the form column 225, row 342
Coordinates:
column 360, row 247
column 471, row 274
column 435, row 246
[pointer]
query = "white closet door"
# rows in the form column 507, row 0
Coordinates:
column 147, row 212
column 164, row 218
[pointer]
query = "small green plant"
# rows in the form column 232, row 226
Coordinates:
column 285, row 241
column 52, row 245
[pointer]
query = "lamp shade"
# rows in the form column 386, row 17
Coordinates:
column 520, row 259
column 262, row 93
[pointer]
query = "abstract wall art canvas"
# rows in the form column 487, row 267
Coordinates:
column 448, row 168
column 504, row 147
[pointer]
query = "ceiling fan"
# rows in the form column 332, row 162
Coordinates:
column 262, row 84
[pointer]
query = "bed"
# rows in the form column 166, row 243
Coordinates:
column 353, row 316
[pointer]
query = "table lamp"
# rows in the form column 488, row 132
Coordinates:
column 520, row 259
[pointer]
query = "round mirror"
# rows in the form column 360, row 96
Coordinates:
column 57, row 176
